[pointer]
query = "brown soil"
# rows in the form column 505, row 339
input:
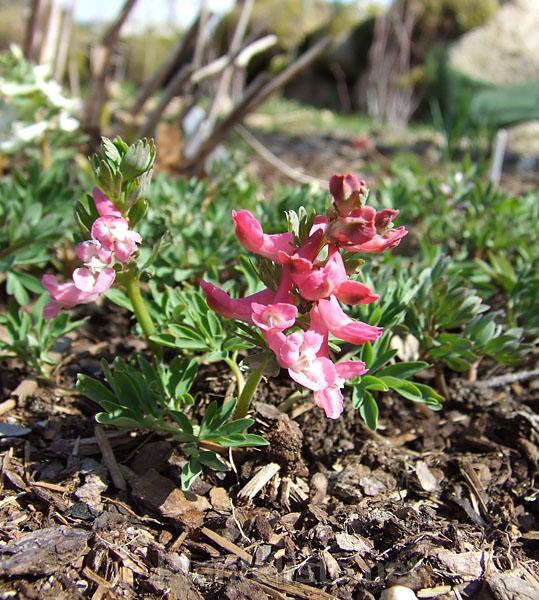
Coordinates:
column 443, row 503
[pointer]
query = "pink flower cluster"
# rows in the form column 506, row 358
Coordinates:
column 112, row 240
column 313, row 282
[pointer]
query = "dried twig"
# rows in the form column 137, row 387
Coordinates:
column 64, row 42
column 109, row 458
column 224, row 83
column 227, row 545
column 388, row 97
column 50, row 35
column 507, row 379
column 176, row 57
column 6, row 406
column 258, row 92
column 188, row 77
column 31, row 30
column 259, row 480
column 476, row 487
column 276, row 162
column 101, row 63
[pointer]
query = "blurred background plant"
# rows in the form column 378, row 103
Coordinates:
column 34, row 112
column 191, row 75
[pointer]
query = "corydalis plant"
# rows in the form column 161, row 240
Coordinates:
column 306, row 271
column 106, row 219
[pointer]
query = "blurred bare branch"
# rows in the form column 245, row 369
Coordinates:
column 32, row 30
column 390, row 97
column 100, row 67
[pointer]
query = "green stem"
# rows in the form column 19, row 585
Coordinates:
column 244, row 401
column 132, row 287
column 238, row 375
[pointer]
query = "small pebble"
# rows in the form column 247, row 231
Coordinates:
column 398, row 592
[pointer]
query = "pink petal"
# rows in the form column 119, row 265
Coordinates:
column 103, row 205
column 384, row 217
column 317, row 375
column 348, row 369
column 347, row 191
column 84, row 279
column 286, row 348
column 102, row 231
column 252, row 237
column 51, row 309
column 379, row 243
column 274, row 316
column 114, row 234
column 330, row 401
column 104, row 280
column 320, row 223
column 286, row 285
column 134, row 236
column 241, row 308
column 64, row 295
column 312, row 340
column 328, row 315
column 357, row 228
column 248, row 230
column 321, row 281
column 353, row 292
column 90, row 249
column 50, row 283
column 124, row 250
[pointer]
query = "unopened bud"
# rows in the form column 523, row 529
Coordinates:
column 348, row 192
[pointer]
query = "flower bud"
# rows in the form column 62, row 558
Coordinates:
column 348, row 193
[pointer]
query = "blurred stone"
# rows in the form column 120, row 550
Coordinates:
column 398, row 592
column 504, row 51
column 13, row 430
column 427, row 479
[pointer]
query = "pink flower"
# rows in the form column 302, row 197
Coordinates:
column 356, row 228
column 252, row 237
column 348, row 192
column 104, row 206
column 330, row 399
column 115, row 235
column 314, row 282
column 67, row 295
column 241, row 308
column 88, row 281
column 274, row 317
column 299, row 353
column 327, row 315
column 379, row 243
